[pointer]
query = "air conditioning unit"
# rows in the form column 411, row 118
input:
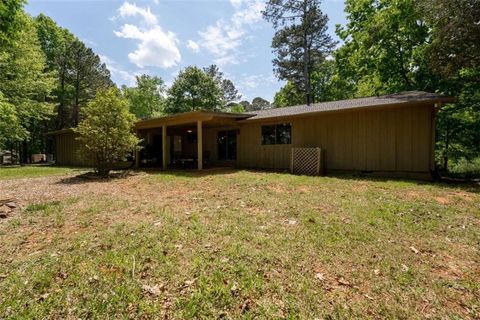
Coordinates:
column 307, row 161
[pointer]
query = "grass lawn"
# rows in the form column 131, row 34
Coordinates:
column 34, row 171
column 238, row 244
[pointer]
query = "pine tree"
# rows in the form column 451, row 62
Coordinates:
column 300, row 42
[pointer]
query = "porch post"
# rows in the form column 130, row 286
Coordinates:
column 164, row 147
column 199, row 144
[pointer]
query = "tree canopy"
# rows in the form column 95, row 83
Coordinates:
column 79, row 71
column 455, row 34
column 25, row 87
column 146, row 99
column 258, row 103
column 230, row 93
column 384, row 45
column 193, row 89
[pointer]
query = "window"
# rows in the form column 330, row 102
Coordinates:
column 268, row 134
column 227, row 145
column 284, row 133
column 277, row 134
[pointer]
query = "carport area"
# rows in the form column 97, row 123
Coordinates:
column 190, row 140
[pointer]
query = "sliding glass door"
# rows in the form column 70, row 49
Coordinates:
column 227, row 145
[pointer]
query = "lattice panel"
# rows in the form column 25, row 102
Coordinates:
column 306, row 161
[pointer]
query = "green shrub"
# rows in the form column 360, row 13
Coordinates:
column 467, row 169
column 106, row 133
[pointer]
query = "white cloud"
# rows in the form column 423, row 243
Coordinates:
column 192, row 45
column 224, row 37
column 156, row 47
column 252, row 81
column 132, row 10
column 219, row 39
column 224, row 60
column 257, row 85
column 250, row 12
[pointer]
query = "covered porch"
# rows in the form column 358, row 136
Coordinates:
column 193, row 140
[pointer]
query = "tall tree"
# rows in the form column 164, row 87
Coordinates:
column 247, row 106
column 230, row 93
column 454, row 55
column 80, row 72
column 384, row 46
column 193, row 89
column 300, row 42
column 455, row 34
column 24, row 84
column 258, row 103
column 235, row 107
column 10, row 129
column 9, row 22
column 146, row 99
column 287, row 96
column 57, row 44
column 327, row 85
column 89, row 75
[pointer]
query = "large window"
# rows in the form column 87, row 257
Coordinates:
column 277, row 134
column 227, row 145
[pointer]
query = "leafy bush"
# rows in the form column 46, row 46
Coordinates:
column 106, row 133
column 467, row 169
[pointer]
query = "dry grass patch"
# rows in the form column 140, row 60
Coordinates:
column 239, row 244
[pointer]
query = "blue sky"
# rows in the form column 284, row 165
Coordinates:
column 160, row 37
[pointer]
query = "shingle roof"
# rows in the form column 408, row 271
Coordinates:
column 397, row 98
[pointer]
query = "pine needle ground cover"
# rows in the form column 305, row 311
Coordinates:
column 238, row 244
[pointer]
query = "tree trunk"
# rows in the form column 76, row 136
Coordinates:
column 76, row 107
column 306, row 58
column 61, row 106
column 11, row 153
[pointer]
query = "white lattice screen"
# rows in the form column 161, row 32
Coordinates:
column 306, row 161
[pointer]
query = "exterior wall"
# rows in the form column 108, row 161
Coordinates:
column 395, row 139
column 66, row 150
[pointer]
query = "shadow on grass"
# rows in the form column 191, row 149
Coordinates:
column 189, row 173
column 91, row 176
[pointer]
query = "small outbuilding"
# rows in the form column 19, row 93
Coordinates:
column 391, row 135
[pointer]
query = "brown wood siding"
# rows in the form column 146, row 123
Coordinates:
column 388, row 140
column 66, row 150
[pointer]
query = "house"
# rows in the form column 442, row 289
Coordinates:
column 392, row 135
